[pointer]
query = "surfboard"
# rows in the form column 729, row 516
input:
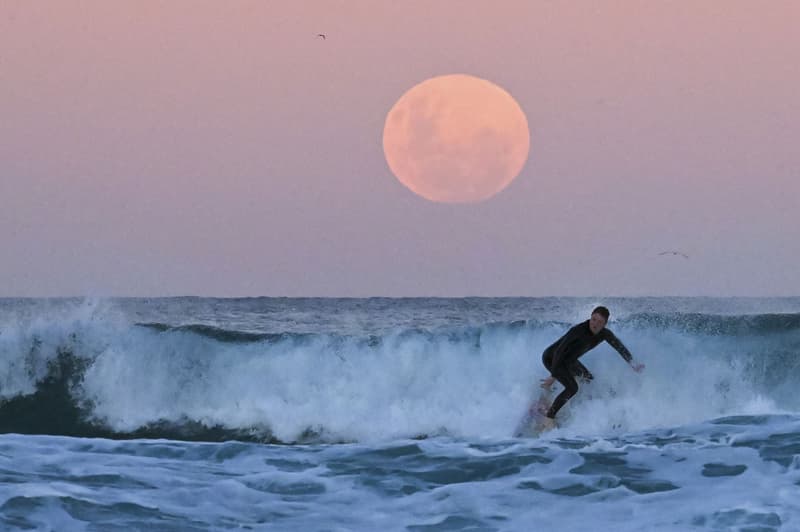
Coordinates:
column 533, row 421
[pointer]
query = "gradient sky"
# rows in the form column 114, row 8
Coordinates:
column 221, row 148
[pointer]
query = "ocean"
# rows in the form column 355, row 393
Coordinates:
column 195, row 414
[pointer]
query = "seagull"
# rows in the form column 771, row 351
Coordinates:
column 676, row 253
column 321, row 35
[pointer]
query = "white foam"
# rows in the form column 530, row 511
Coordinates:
column 408, row 385
column 361, row 487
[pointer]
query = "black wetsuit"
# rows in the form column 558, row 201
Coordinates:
column 561, row 359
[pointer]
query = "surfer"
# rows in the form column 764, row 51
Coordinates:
column 561, row 358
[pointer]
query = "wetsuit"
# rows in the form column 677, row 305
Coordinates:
column 561, row 359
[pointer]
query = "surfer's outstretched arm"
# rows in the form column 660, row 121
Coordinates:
column 623, row 351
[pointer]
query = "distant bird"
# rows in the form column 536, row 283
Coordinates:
column 321, row 35
column 676, row 253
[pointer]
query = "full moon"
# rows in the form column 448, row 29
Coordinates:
column 456, row 139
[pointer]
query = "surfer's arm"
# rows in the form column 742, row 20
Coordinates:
column 617, row 344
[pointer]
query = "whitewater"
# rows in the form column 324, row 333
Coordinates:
column 394, row 414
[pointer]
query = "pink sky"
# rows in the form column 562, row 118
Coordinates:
column 221, row 148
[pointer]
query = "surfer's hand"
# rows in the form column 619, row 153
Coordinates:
column 548, row 382
column 637, row 367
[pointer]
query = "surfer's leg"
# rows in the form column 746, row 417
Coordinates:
column 570, row 389
column 580, row 371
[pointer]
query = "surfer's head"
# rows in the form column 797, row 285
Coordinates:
column 598, row 320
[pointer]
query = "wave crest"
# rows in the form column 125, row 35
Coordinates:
column 90, row 377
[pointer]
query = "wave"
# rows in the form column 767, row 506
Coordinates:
column 221, row 334
column 714, row 324
column 697, row 323
column 111, row 378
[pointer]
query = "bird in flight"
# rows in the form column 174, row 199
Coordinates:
column 676, row 253
column 321, row 35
